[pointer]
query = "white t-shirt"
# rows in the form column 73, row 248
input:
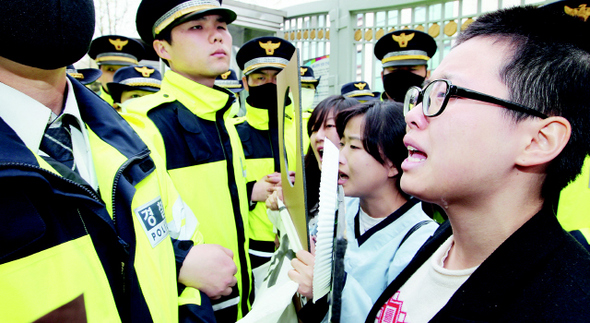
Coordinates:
column 427, row 291
column 366, row 222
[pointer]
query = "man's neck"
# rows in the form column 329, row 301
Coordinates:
column 479, row 229
column 46, row 86
column 201, row 79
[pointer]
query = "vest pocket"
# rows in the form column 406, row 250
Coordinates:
column 194, row 137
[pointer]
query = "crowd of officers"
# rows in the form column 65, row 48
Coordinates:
column 162, row 215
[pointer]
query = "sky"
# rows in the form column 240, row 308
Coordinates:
column 127, row 9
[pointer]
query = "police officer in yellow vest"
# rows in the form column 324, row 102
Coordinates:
column 133, row 82
column 260, row 60
column 111, row 53
column 573, row 203
column 309, row 87
column 404, row 55
column 87, row 212
column 186, row 121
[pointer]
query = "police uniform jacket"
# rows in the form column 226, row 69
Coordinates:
column 254, row 133
column 539, row 274
column 64, row 243
column 186, row 122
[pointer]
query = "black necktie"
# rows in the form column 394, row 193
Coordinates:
column 57, row 143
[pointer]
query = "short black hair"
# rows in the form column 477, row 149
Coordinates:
column 549, row 71
column 383, row 131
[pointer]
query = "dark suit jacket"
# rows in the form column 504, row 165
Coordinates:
column 539, row 274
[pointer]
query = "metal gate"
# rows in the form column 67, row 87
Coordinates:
column 338, row 36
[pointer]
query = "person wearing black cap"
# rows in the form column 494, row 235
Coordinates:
column 404, row 55
column 88, row 212
column 111, row 53
column 85, row 76
column 309, row 87
column 133, row 82
column 261, row 59
column 359, row 91
column 230, row 81
column 186, row 120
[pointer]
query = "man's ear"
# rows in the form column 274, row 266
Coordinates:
column 161, row 48
column 548, row 138
column 245, row 82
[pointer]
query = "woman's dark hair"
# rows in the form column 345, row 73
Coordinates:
column 333, row 103
column 383, row 131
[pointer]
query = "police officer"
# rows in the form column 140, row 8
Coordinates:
column 359, row 91
column 111, row 53
column 309, row 88
column 133, row 82
column 260, row 60
column 230, row 81
column 186, row 120
column 404, row 55
column 87, row 212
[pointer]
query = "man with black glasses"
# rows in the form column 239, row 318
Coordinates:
column 496, row 132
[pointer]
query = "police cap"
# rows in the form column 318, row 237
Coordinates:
column 308, row 77
column 263, row 53
column 84, row 75
column 230, row 81
column 131, row 78
column 153, row 16
column 575, row 8
column 116, row 50
column 405, row 48
column 359, row 91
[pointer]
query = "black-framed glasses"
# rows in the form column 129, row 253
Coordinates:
column 436, row 95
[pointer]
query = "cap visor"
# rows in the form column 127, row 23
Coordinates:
column 228, row 15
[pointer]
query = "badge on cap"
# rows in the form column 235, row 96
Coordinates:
column 269, row 47
column 118, row 43
column 225, row 75
column 360, row 86
column 403, row 39
column 145, row 71
column 580, row 12
column 302, row 70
